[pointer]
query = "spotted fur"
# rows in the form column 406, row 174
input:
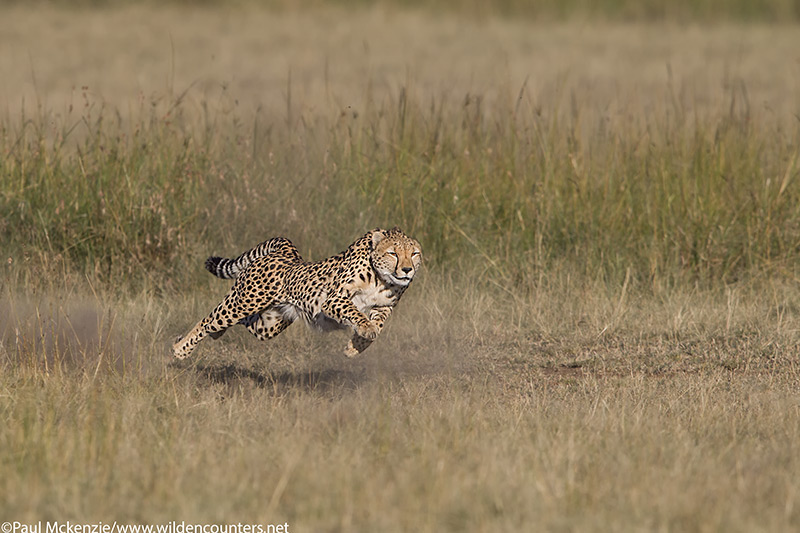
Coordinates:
column 274, row 286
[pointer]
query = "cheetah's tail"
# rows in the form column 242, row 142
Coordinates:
column 222, row 267
column 230, row 268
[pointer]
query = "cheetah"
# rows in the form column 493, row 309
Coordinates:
column 274, row 286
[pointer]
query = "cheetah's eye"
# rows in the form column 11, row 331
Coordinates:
column 393, row 254
column 414, row 253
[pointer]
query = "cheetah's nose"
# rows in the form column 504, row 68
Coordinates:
column 406, row 269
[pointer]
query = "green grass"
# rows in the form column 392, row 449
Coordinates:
column 508, row 188
column 603, row 337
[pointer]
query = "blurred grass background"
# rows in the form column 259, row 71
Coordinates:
column 625, row 10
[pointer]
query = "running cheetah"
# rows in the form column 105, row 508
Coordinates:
column 274, row 286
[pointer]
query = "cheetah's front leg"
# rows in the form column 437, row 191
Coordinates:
column 357, row 343
column 342, row 310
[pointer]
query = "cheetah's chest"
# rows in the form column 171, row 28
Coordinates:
column 373, row 296
column 364, row 300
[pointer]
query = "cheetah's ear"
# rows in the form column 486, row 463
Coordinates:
column 377, row 236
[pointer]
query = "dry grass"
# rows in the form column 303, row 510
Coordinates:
column 685, row 417
column 604, row 339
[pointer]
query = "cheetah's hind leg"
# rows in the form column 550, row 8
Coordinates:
column 267, row 324
column 221, row 318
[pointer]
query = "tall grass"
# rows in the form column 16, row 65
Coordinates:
column 502, row 186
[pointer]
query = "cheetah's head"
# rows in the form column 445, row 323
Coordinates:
column 396, row 257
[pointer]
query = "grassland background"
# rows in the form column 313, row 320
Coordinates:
column 604, row 336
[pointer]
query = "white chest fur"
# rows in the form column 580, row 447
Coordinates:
column 373, row 296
